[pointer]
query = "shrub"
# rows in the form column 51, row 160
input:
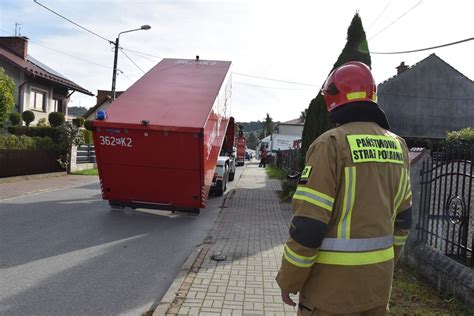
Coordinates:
column 47, row 131
column 42, row 123
column 87, row 136
column 78, row 122
column 25, row 142
column 288, row 188
column 28, row 117
column 88, row 125
column 44, row 143
column 463, row 136
column 56, row 119
column 15, row 118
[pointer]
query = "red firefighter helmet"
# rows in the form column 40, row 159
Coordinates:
column 350, row 82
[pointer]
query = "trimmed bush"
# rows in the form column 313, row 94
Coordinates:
column 56, row 119
column 15, row 118
column 88, row 125
column 78, row 122
column 50, row 132
column 28, row 117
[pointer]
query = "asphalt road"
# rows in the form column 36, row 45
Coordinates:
column 63, row 252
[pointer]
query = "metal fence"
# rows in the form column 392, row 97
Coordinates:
column 85, row 154
column 446, row 222
column 289, row 160
column 19, row 162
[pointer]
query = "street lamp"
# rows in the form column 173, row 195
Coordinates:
column 116, row 44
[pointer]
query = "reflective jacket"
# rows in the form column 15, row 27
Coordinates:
column 352, row 211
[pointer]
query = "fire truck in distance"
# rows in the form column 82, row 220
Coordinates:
column 158, row 144
column 241, row 147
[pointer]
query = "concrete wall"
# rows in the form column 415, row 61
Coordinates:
column 428, row 100
column 447, row 275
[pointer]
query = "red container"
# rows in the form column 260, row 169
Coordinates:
column 159, row 144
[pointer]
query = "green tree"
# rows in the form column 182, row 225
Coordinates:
column 28, row 117
column 251, row 141
column 317, row 117
column 268, row 125
column 69, row 135
column 7, row 99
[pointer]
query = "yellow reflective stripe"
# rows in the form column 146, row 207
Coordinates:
column 355, row 258
column 374, row 97
column 314, row 197
column 400, row 193
column 298, row 260
column 408, row 190
column 399, row 240
column 356, row 95
column 344, row 225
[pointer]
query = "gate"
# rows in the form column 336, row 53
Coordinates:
column 446, row 222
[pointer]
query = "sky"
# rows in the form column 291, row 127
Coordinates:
column 290, row 41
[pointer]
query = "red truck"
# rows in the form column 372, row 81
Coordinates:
column 241, row 147
column 157, row 145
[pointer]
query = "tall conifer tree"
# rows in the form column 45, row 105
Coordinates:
column 317, row 118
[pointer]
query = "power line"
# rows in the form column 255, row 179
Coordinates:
column 121, row 50
column 63, row 53
column 378, row 17
column 396, row 20
column 423, row 49
column 277, row 80
column 76, row 24
column 141, row 53
column 278, row 88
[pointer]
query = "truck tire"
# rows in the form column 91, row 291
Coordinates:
column 231, row 176
column 219, row 189
column 115, row 207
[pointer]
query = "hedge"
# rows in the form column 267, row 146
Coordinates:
column 45, row 131
column 25, row 142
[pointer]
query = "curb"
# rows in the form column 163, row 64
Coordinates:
column 160, row 309
column 173, row 293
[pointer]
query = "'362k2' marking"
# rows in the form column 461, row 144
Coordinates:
column 115, row 141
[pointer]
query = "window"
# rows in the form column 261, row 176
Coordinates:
column 56, row 105
column 38, row 100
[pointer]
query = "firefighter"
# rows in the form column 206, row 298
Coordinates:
column 352, row 206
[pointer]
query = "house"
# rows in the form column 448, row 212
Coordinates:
column 37, row 87
column 104, row 99
column 293, row 127
column 427, row 99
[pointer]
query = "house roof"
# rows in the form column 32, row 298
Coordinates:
column 430, row 57
column 297, row 121
column 37, row 69
column 102, row 97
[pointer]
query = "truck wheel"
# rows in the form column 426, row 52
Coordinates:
column 231, row 176
column 115, row 207
column 219, row 187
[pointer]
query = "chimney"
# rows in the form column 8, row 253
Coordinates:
column 402, row 68
column 18, row 45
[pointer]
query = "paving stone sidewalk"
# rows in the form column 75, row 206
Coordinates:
column 250, row 233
